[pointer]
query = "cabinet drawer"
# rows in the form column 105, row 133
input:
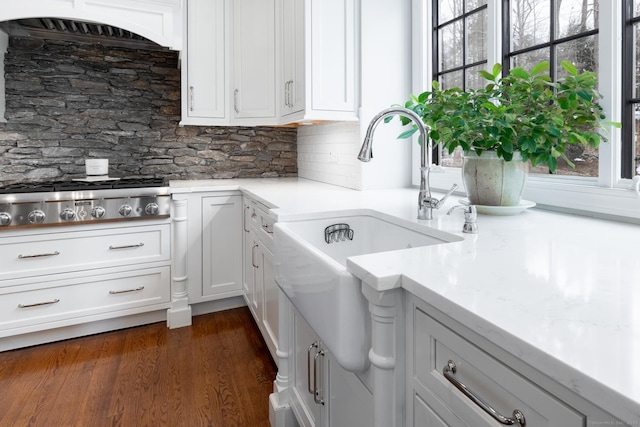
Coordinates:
column 43, row 254
column 498, row 385
column 83, row 296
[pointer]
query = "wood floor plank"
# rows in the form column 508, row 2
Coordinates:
column 217, row 372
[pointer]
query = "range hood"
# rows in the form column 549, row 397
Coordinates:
column 76, row 31
column 160, row 21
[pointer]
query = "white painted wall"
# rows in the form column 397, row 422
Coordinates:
column 385, row 80
column 327, row 151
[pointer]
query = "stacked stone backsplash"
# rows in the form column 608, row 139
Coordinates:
column 66, row 102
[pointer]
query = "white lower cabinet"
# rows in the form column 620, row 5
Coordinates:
column 438, row 357
column 259, row 286
column 62, row 277
column 221, row 245
column 321, row 393
column 214, row 242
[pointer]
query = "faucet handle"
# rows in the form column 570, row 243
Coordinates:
column 436, row 204
column 470, row 216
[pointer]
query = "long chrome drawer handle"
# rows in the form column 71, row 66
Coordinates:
column 318, row 391
column 139, row 288
column 113, row 248
column 38, row 255
column 39, row 303
column 518, row 416
column 311, row 347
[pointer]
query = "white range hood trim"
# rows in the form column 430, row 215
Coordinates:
column 157, row 20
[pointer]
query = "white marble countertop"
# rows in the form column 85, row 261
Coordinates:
column 559, row 291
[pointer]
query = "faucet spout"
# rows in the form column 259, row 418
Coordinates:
column 425, row 201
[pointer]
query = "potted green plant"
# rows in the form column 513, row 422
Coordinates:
column 516, row 119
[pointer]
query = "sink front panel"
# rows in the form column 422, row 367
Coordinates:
column 313, row 274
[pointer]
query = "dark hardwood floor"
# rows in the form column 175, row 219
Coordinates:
column 218, row 372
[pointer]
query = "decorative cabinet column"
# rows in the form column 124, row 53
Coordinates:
column 385, row 355
column 179, row 314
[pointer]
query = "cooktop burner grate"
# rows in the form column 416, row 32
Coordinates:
column 45, row 187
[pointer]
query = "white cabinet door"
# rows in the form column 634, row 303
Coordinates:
column 305, row 355
column 293, row 39
column 254, row 64
column 204, row 94
column 332, row 55
column 221, row 244
column 270, row 292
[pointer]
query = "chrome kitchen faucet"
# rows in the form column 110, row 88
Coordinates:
column 426, row 203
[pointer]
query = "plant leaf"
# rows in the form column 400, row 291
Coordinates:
column 569, row 67
column 540, row 67
column 520, row 72
column 497, row 69
column 408, row 133
column 487, row 75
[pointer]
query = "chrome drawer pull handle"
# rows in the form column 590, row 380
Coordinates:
column 38, row 255
column 311, row 347
column 113, row 248
column 317, row 395
column 267, row 229
column 253, row 258
column 244, row 219
column 139, row 288
column 518, row 416
column 39, row 303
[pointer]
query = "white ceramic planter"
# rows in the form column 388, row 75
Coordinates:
column 490, row 181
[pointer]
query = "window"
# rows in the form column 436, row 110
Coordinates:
column 555, row 31
column 459, row 50
column 591, row 34
column 460, row 42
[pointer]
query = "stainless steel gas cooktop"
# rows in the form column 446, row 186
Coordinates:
column 82, row 202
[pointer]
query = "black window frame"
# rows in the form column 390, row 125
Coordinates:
column 507, row 54
column 629, row 99
column 435, row 52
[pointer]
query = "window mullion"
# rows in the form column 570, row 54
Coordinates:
column 610, row 86
column 494, row 38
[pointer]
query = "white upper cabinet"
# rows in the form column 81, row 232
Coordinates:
column 319, row 42
column 204, row 73
column 331, row 56
column 268, row 62
column 254, row 59
column 291, row 83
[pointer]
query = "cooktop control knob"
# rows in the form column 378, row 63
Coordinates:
column 98, row 212
column 152, row 209
column 36, row 216
column 5, row 218
column 125, row 210
column 67, row 214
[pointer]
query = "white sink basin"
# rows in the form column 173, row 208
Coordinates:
column 313, row 274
